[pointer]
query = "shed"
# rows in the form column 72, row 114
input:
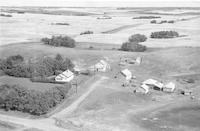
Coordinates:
column 154, row 84
column 65, row 76
column 127, row 73
column 145, row 87
column 169, row 87
column 138, row 60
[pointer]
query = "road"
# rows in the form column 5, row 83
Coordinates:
column 48, row 124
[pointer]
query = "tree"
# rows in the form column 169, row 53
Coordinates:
column 133, row 46
column 65, row 41
column 58, row 57
column 137, row 38
column 164, row 34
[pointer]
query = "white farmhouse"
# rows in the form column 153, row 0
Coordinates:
column 100, row 66
column 66, row 76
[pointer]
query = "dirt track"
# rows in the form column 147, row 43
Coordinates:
column 120, row 28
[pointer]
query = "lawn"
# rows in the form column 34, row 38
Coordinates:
column 25, row 82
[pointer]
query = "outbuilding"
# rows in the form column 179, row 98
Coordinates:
column 65, row 76
column 145, row 88
column 169, row 87
column 127, row 73
column 153, row 84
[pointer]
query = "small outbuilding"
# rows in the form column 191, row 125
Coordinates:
column 127, row 73
column 153, row 84
column 169, row 87
column 138, row 60
column 65, row 76
column 145, row 88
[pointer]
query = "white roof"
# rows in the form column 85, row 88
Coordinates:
column 126, row 72
column 145, row 87
column 153, row 82
column 66, row 74
column 170, row 85
column 103, row 62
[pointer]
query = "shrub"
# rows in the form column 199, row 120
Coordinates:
column 60, row 23
column 13, row 60
column 171, row 21
column 86, row 32
column 153, row 22
column 31, row 101
column 137, row 38
column 146, row 17
column 4, row 15
column 21, row 70
column 65, row 41
column 164, row 34
column 163, row 21
column 133, row 46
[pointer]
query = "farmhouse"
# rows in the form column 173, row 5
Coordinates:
column 66, row 76
column 127, row 73
column 100, row 66
column 153, row 84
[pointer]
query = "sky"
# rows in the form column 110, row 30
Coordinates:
column 103, row 3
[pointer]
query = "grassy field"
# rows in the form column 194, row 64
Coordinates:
column 25, row 82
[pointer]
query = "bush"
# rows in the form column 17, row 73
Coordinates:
column 146, row 17
column 133, row 46
column 171, row 21
column 163, row 21
column 14, row 60
column 65, row 41
column 137, row 38
column 164, row 34
column 18, row 98
column 86, row 32
column 60, row 23
column 153, row 22
column 21, row 70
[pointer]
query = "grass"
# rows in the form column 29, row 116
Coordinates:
column 7, row 126
column 25, row 82
column 174, row 117
column 32, row 129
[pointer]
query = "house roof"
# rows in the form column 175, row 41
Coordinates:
column 153, row 82
column 126, row 72
column 145, row 87
column 170, row 85
column 66, row 74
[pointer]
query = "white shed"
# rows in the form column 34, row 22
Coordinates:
column 169, row 87
column 138, row 60
column 154, row 83
column 145, row 87
column 66, row 76
column 127, row 74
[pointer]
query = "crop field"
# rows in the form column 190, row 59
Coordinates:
column 101, row 101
